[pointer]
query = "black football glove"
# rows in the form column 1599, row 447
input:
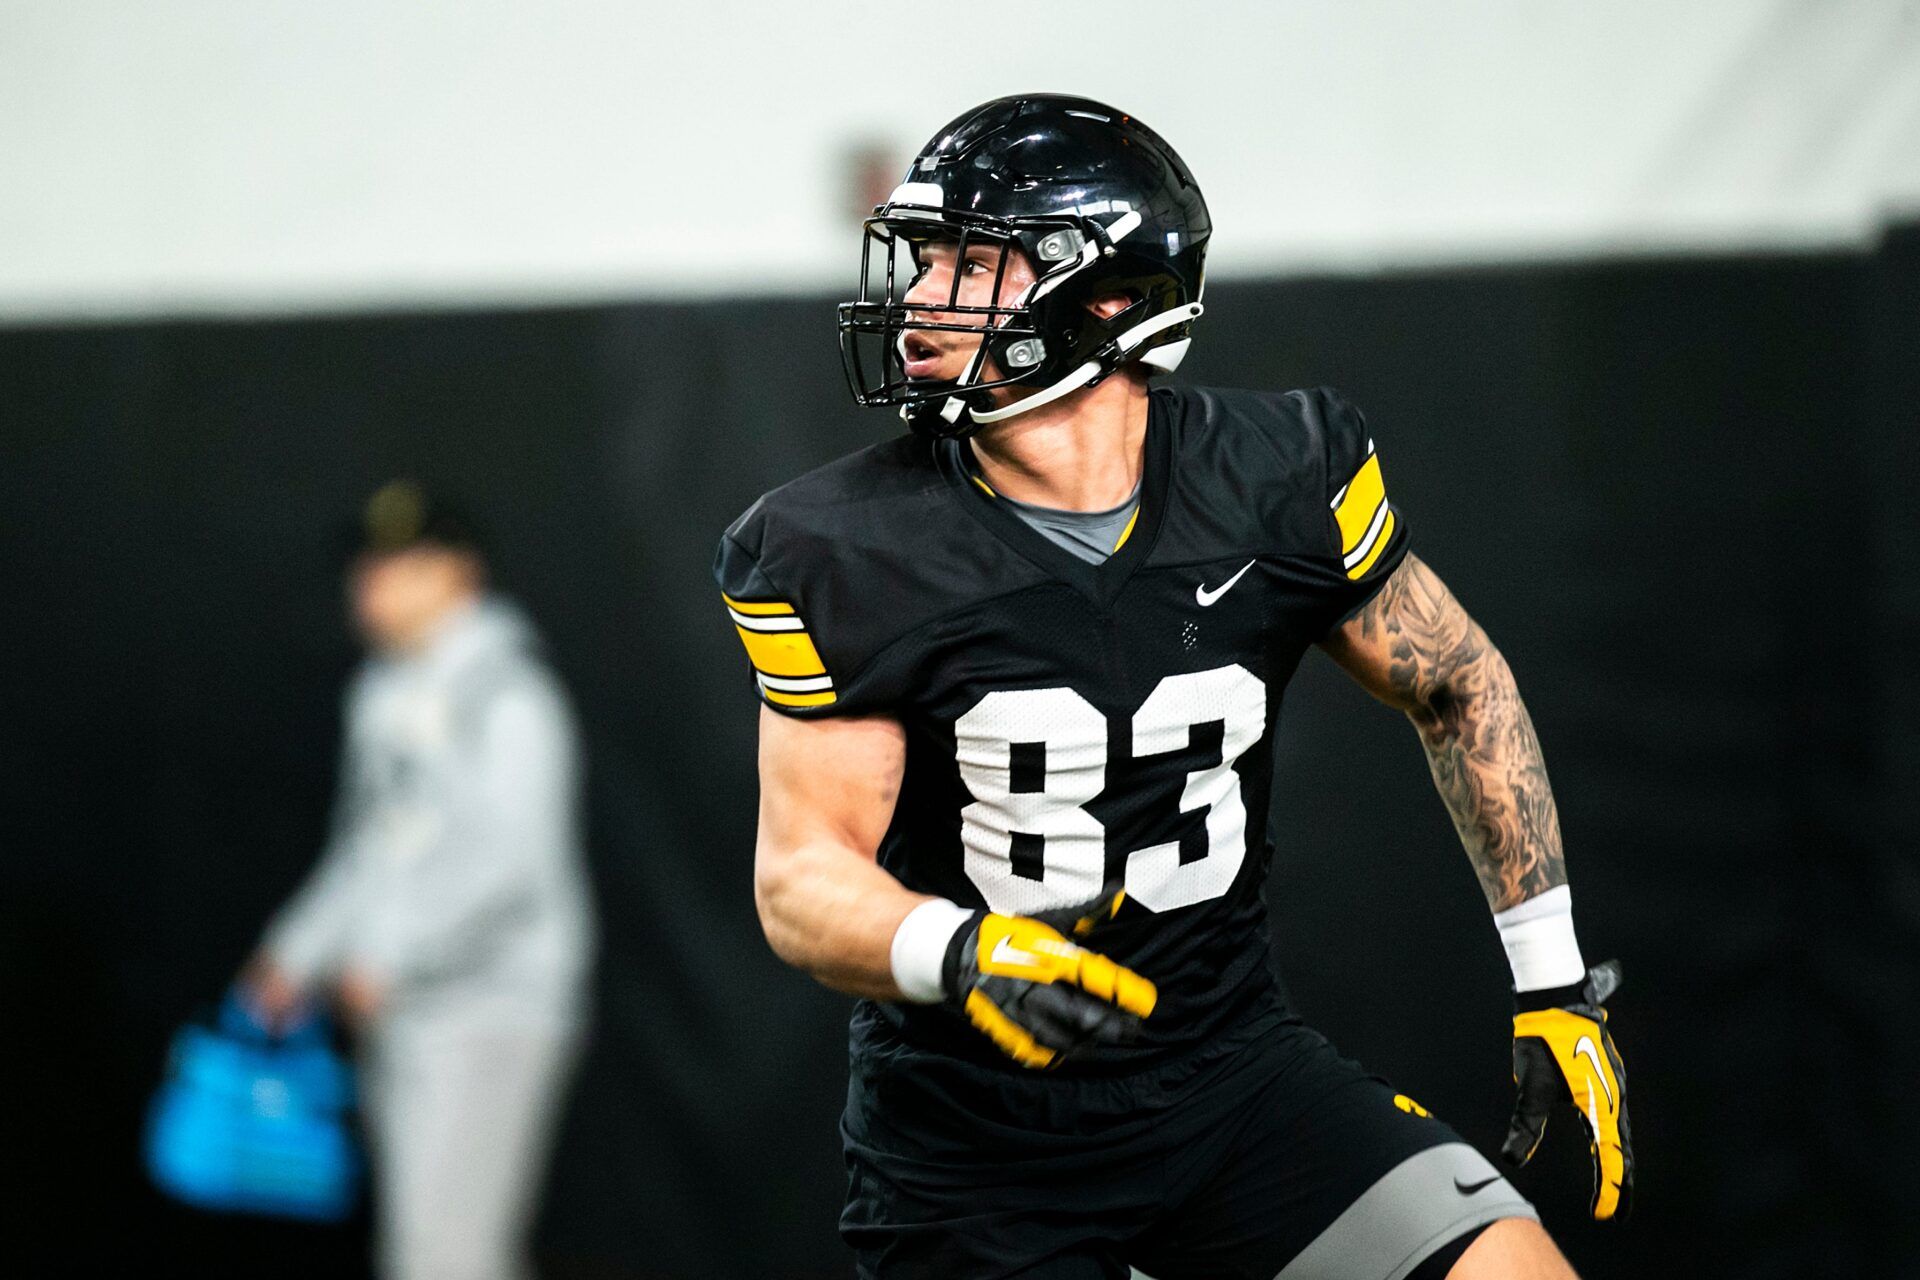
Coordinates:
column 1038, row 995
column 1561, row 1051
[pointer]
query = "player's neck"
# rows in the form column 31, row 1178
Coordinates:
column 1084, row 452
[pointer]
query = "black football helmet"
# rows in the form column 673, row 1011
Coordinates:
column 1097, row 202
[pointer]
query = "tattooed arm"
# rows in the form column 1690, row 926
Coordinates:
column 1414, row 647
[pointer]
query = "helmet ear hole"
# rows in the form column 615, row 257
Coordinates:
column 1125, row 318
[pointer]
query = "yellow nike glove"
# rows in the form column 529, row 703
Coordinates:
column 1561, row 1050
column 1038, row 995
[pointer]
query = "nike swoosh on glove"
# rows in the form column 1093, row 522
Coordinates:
column 1038, row 995
column 1562, row 1052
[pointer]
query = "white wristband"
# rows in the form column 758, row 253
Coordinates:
column 1538, row 936
column 920, row 948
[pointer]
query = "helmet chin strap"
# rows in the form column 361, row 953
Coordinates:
column 957, row 405
column 1086, row 373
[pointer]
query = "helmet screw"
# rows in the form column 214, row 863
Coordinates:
column 1026, row 353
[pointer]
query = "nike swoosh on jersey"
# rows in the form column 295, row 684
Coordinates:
column 1585, row 1045
column 1468, row 1188
column 1206, row 597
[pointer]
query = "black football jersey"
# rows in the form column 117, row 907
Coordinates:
column 1068, row 724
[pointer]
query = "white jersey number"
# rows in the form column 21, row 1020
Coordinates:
column 1033, row 758
column 1155, row 876
column 1072, row 738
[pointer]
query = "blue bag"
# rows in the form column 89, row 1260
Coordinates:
column 252, row 1122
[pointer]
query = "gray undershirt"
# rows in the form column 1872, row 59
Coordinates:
column 1086, row 535
column 1090, row 535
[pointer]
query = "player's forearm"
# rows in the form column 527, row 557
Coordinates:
column 832, row 913
column 1414, row 647
column 1488, row 767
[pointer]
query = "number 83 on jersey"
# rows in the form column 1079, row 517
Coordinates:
column 1034, row 759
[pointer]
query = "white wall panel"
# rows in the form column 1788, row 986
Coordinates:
column 243, row 155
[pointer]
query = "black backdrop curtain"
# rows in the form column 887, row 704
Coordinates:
column 1678, row 493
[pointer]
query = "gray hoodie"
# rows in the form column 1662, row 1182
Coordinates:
column 454, row 870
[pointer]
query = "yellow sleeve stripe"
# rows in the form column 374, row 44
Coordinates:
column 1379, row 544
column 757, row 608
column 1128, row 531
column 786, row 665
column 1357, row 505
column 782, row 653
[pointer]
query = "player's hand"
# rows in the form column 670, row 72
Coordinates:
column 362, row 997
column 1562, row 1052
column 1038, row 995
column 273, row 998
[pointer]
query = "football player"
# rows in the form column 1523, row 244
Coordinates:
column 1021, row 668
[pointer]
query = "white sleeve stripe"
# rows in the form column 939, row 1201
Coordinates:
column 1359, row 553
column 767, row 622
column 791, row 684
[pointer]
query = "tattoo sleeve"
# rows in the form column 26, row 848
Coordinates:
column 1414, row 647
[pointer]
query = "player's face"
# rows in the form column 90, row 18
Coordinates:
column 940, row 356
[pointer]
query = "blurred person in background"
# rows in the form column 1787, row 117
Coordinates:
column 449, row 915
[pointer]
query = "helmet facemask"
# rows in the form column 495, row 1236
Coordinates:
column 1035, row 340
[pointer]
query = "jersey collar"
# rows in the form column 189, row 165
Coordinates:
column 1101, row 582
